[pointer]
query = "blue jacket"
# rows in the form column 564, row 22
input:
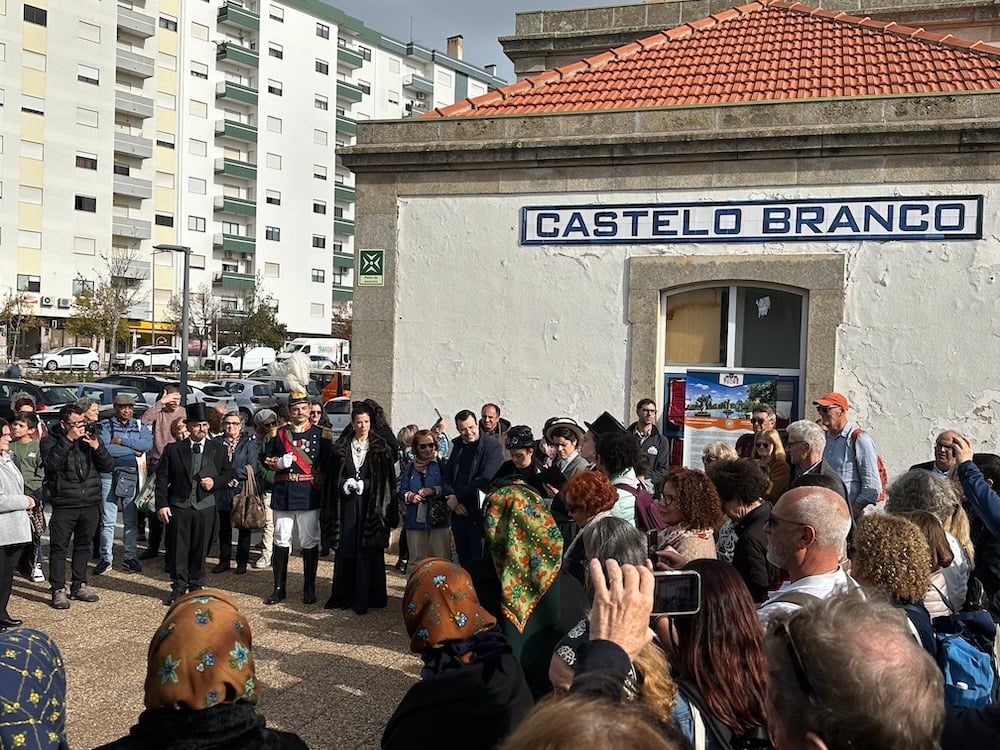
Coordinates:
column 134, row 435
column 983, row 500
column 486, row 460
column 410, row 480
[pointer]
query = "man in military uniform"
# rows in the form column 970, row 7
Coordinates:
column 297, row 455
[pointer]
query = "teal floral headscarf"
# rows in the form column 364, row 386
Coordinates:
column 201, row 655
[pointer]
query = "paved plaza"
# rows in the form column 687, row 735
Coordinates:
column 330, row 676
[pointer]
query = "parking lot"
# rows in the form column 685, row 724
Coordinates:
column 332, row 677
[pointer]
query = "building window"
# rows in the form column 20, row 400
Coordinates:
column 31, row 195
column 30, row 240
column 393, row 97
column 86, row 117
column 274, row 87
column 319, row 207
column 276, row 13
column 121, row 169
column 85, row 203
column 365, row 52
column 338, row 247
column 319, row 240
column 322, row 66
column 26, row 283
column 164, row 220
column 273, row 161
column 88, row 32
column 233, row 228
column 167, row 61
column 322, row 30
column 32, row 105
column 166, row 140
column 272, row 270
column 320, row 137
column 276, row 50
column 338, row 276
column 196, row 185
column 82, row 286
column 196, row 223
column 272, row 233
column 88, row 74
column 199, row 31
column 366, row 88
column 32, row 150
column 274, row 124
column 33, row 60
column 165, row 100
column 164, row 180
column 319, row 275
column 36, row 15
column 197, row 148
column 273, row 197
column 316, row 309
column 199, row 70
column 319, row 172
column 321, row 102
column 168, row 22
column 198, row 109
column 85, row 245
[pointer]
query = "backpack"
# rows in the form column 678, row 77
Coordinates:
column 965, row 655
column 647, row 514
column 883, row 475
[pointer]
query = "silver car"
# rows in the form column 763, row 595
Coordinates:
column 251, row 395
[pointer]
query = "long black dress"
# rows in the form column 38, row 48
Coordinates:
column 361, row 525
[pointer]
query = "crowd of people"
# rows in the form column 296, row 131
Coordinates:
column 539, row 564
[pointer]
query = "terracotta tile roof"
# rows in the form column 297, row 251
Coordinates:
column 766, row 50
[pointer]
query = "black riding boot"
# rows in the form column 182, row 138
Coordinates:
column 279, row 564
column 310, row 564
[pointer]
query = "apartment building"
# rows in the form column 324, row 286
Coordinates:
column 202, row 123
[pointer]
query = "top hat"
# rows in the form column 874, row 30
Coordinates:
column 605, row 425
column 195, row 412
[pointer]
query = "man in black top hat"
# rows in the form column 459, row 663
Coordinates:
column 186, row 479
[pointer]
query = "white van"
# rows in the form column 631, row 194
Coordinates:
column 338, row 351
column 228, row 359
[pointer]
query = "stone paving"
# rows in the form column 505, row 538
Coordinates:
column 333, row 677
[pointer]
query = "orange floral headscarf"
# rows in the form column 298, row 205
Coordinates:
column 201, row 655
column 440, row 605
column 526, row 547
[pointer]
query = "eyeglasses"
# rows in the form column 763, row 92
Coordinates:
column 314, row 412
column 427, row 446
column 762, row 444
column 757, row 421
column 71, row 425
column 784, row 629
column 231, row 424
column 825, row 409
column 773, row 520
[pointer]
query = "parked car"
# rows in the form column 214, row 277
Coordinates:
column 211, row 395
column 251, row 395
column 49, row 399
column 66, row 358
column 338, row 411
column 147, row 385
column 229, row 359
column 319, row 362
column 149, row 358
column 332, row 383
column 280, row 390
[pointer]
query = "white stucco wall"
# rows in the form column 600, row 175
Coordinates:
column 543, row 331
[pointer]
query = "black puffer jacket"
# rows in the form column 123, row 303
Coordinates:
column 73, row 470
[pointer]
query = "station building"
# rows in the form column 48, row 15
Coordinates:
column 766, row 191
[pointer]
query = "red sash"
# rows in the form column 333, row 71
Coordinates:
column 286, row 443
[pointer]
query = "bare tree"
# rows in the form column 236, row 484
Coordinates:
column 103, row 311
column 204, row 312
column 16, row 314
column 342, row 322
column 254, row 322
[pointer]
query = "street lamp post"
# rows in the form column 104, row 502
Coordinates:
column 185, row 310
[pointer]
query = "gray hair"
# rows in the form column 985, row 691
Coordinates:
column 721, row 450
column 85, row 402
column 237, row 414
column 826, row 512
column 807, row 431
column 611, row 538
column 919, row 489
column 882, row 692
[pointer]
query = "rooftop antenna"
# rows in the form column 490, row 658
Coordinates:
column 411, row 29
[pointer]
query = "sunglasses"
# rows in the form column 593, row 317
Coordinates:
column 801, row 675
column 763, row 444
column 773, row 520
column 428, row 446
column 757, row 421
column 825, row 409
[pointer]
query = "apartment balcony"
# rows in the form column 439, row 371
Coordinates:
column 343, row 260
column 139, row 24
column 125, row 226
column 239, row 131
column 346, row 125
column 133, row 104
column 236, row 168
column 236, row 92
column 133, row 145
column 344, row 193
column 238, row 55
column 349, row 92
column 343, row 226
column 223, row 204
column 233, row 280
column 134, row 64
column 134, row 187
column 233, row 14
column 349, row 57
column 342, row 293
column 418, row 83
column 234, row 243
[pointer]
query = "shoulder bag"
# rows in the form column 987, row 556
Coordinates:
column 248, row 505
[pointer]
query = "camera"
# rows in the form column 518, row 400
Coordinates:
column 676, row 592
column 92, row 429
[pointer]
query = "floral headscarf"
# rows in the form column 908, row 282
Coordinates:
column 440, row 605
column 32, row 691
column 201, row 655
column 526, row 547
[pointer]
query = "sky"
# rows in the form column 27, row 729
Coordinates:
column 480, row 22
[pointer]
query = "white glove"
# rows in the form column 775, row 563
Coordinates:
column 286, row 461
column 360, row 487
column 350, row 486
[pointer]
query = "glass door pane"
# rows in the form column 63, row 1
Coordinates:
column 696, row 326
column 769, row 328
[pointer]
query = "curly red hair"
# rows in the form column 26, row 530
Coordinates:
column 592, row 491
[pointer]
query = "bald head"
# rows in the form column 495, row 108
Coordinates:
column 944, row 455
column 822, row 509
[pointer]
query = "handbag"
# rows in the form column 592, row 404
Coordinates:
column 37, row 513
column 145, row 501
column 248, row 511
